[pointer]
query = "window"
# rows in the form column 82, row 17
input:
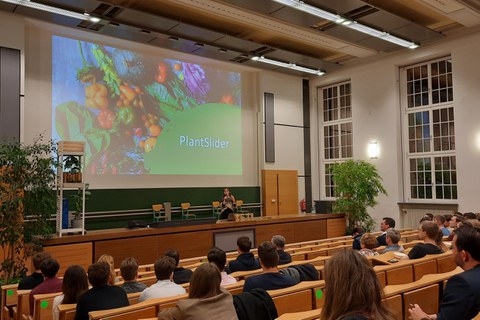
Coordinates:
column 337, row 129
column 427, row 100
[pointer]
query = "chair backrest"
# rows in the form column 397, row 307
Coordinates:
column 43, row 306
column 157, row 207
column 23, row 304
column 185, row 205
column 67, row 311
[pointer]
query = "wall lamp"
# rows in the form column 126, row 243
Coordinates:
column 373, row 150
column 300, row 5
column 63, row 12
column 292, row 66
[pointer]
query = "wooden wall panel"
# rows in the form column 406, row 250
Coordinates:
column 66, row 255
column 269, row 193
column 144, row 249
column 336, row 227
column 189, row 245
column 288, row 192
column 265, row 232
column 309, row 230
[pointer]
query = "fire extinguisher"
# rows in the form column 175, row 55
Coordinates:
column 303, row 205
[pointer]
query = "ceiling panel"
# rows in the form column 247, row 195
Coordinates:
column 202, row 35
column 145, row 21
column 233, row 43
column 127, row 34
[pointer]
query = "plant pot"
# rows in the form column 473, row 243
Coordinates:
column 76, row 223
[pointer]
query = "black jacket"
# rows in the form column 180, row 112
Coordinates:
column 284, row 257
column 253, row 305
column 182, row 275
column 244, row 262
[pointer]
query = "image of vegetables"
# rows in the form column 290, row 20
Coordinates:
column 111, row 77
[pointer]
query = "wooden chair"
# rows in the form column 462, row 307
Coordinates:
column 43, row 306
column 23, row 304
column 216, row 209
column 300, row 297
column 304, row 315
column 9, row 299
column 67, row 311
column 185, row 210
column 159, row 212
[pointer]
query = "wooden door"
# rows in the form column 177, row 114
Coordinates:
column 280, row 192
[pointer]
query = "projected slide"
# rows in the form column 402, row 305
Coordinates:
column 141, row 114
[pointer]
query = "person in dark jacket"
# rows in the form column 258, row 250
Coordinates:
column 279, row 242
column 357, row 234
column 386, row 223
column 36, row 277
column 180, row 274
column 245, row 260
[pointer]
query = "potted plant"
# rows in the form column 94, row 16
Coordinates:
column 77, row 201
column 72, row 166
column 357, row 184
column 27, row 178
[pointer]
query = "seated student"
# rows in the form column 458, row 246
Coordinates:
column 75, row 283
column 271, row 278
column 393, row 237
column 368, row 242
column 357, row 291
column 245, row 260
column 429, row 233
column 218, row 257
column 108, row 259
column 101, row 296
column 206, row 299
column 461, row 296
column 180, row 274
column 440, row 221
column 165, row 287
column 386, row 223
column 283, row 257
column 36, row 277
column 357, row 234
column 51, row 284
column 129, row 271
column 454, row 223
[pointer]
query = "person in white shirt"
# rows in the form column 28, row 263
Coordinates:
column 165, row 287
column 218, row 257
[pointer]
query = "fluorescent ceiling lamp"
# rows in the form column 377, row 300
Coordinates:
column 288, row 65
column 63, row 12
column 299, row 5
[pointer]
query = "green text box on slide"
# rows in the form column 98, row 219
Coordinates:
column 203, row 140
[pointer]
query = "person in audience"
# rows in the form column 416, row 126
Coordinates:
column 245, row 260
column 357, row 234
column 470, row 222
column 454, row 223
column 470, row 215
column 352, row 289
column 108, row 259
column 279, row 242
column 446, row 224
column 428, row 232
column 218, row 257
column 165, row 287
column 271, row 278
column 36, row 277
column 206, row 298
column 440, row 221
column 129, row 272
column 461, row 296
column 180, row 274
column 386, row 223
column 75, row 283
column 478, row 216
column 368, row 242
column 51, row 283
column 429, row 216
column 101, row 296
column 393, row 237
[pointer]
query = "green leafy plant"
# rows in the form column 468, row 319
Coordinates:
column 77, row 201
column 357, row 184
column 73, row 169
column 27, row 178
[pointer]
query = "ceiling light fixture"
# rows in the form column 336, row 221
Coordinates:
column 286, row 65
column 63, row 12
column 299, row 5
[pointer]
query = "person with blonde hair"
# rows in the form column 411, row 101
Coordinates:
column 352, row 289
column 108, row 259
column 368, row 242
column 206, row 299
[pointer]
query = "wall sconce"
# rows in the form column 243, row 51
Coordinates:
column 373, row 150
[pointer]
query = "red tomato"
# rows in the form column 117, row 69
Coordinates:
column 162, row 73
column 106, row 118
column 227, row 98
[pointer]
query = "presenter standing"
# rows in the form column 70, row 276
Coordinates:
column 228, row 203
